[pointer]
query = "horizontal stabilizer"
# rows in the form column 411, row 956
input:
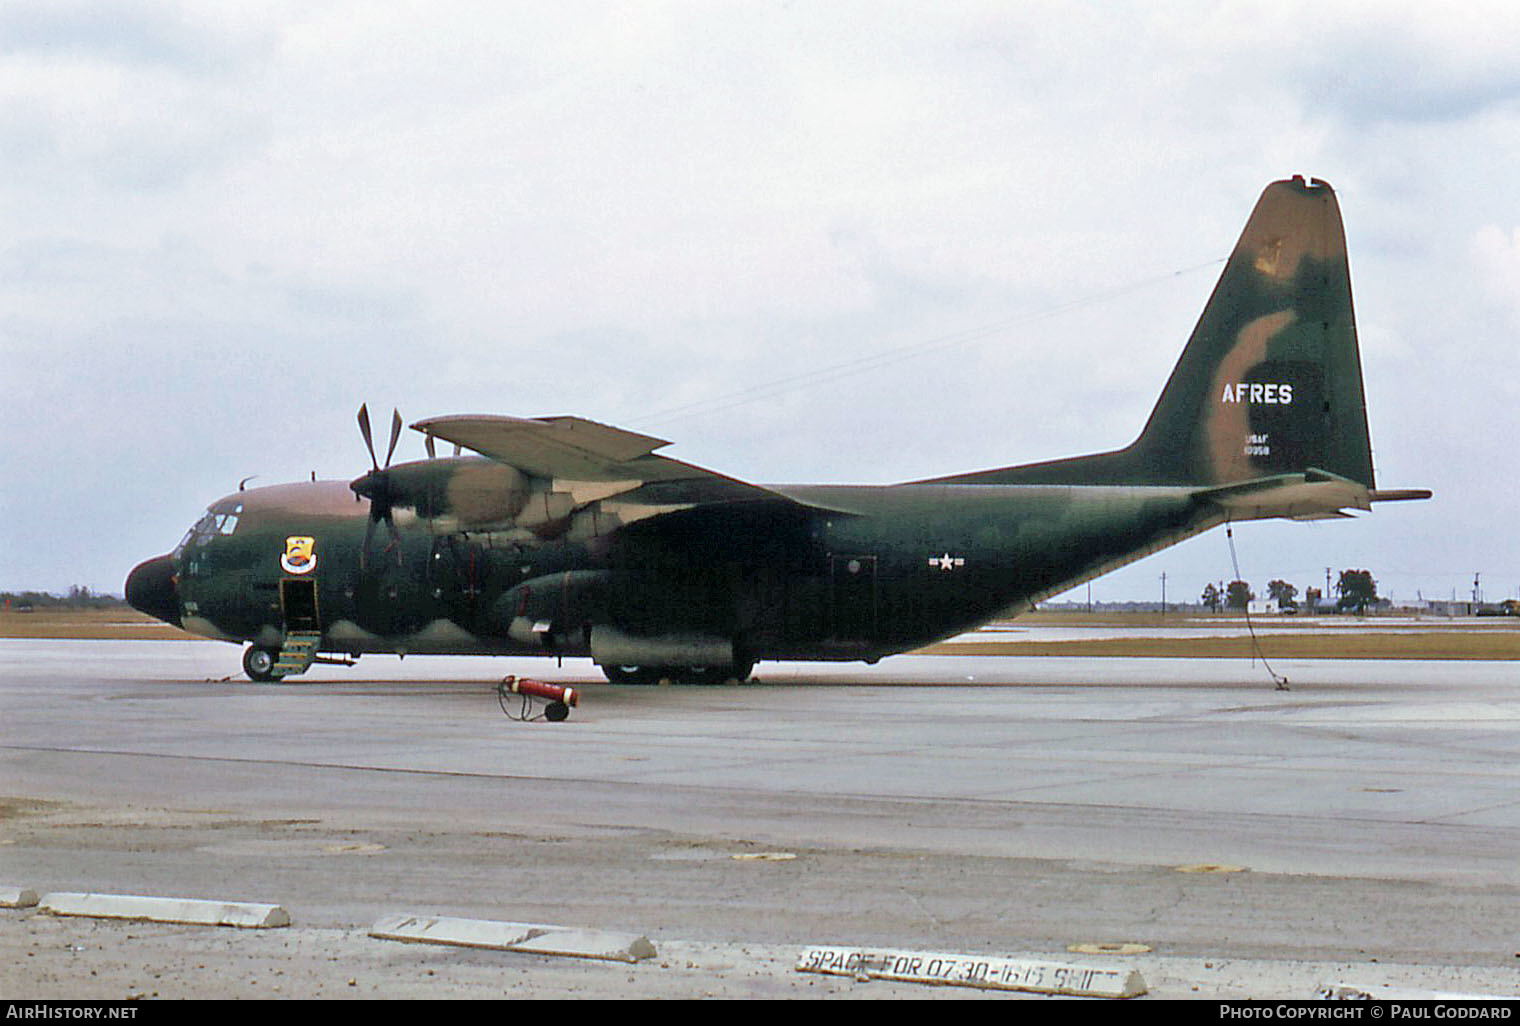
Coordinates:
column 1311, row 495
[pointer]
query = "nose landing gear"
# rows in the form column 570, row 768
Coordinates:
column 258, row 663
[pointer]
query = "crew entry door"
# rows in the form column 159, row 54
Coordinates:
column 298, row 600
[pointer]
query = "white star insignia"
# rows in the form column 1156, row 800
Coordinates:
column 946, row 562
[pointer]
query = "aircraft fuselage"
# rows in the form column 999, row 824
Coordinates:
column 879, row 570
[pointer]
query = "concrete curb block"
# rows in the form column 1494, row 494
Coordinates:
column 166, row 910
column 987, row 972
column 17, row 897
column 534, row 938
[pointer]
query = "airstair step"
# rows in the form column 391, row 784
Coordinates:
column 297, row 654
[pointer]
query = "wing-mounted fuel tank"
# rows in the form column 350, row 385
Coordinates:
column 686, row 652
column 566, row 614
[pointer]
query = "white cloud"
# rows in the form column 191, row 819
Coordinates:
column 1496, row 261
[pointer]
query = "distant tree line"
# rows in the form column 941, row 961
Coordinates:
column 1356, row 590
column 79, row 597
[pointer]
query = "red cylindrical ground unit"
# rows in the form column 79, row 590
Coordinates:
column 541, row 689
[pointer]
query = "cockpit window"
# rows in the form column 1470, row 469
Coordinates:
column 210, row 526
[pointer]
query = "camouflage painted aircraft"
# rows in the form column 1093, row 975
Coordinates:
column 565, row 537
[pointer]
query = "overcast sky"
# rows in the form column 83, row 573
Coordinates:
column 806, row 242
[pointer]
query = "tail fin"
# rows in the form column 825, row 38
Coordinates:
column 1270, row 381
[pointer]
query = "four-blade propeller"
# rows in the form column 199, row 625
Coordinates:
column 376, row 486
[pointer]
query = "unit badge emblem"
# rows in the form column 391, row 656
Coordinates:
column 300, row 556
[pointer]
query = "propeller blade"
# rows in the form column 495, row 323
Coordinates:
column 369, row 442
column 369, row 534
column 376, row 486
column 395, row 544
column 395, row 435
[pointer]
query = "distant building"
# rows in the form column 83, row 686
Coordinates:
column 1451, row 607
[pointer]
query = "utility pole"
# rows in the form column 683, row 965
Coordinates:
column 1163, row 594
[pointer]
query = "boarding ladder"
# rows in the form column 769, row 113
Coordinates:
column 298, row 653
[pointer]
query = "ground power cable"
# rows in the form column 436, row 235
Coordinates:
column 1257, row 653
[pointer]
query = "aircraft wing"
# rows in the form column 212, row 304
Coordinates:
column 574, row 449
column 565, row 447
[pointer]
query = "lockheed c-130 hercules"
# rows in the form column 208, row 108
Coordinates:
column 565, row 537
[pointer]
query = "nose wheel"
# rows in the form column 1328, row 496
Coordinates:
column 258, row 663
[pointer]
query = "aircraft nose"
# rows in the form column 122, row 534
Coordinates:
column 151, row 589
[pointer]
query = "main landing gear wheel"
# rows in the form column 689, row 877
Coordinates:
column 632, row 674
column 736, row 674
column 258, row 663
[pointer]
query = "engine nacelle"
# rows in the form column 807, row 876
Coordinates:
column 469, row 492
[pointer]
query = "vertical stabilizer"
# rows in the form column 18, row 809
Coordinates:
column 1271, row 380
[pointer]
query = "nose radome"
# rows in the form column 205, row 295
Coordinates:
column 151, row 589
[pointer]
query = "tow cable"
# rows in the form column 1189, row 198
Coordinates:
column 1278, row 679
